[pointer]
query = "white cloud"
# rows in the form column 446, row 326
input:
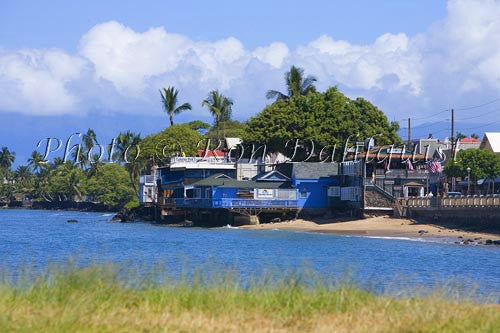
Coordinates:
column 456, row 61
column 34, row 81
column 364, row 66
column 274, row 54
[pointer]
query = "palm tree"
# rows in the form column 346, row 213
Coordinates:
column 36, row 161
column 219, row 106
column 88, row 140
column 126, row 141
column 6, row 158
column 296, row 85
column 57, row 162
column 23, row 175
column 169, row 101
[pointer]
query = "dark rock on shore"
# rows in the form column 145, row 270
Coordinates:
column 137, row 213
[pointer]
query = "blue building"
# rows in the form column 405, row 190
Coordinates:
column 286, row 191
column 312, row 181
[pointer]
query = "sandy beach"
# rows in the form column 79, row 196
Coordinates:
column 380, row 226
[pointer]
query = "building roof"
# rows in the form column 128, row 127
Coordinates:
column 219, row 181
column 470, row 140
column 314, row 170
column 415, row 184
column 210, row 153
column 493, row 138
column 273, row 175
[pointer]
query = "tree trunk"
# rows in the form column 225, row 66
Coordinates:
column 217, row 124
column 171, row 120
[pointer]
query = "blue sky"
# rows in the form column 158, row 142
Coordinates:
column 59, row 23
column 69, row 65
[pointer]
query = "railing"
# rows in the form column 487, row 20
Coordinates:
column 468, row 201
column 211, row 160
column 378, row 184
column 228, row 203
column 405, row 174
column 253, row 203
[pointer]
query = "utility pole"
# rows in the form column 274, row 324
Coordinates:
column 453, row 181
column 452, row 133
column 409, row 133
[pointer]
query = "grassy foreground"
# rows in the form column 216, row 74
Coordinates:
column 98, row 299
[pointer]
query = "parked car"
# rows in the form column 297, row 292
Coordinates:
column 454, row 194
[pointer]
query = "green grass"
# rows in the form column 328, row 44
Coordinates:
column 100, row 299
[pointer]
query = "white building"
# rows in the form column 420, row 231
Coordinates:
column 491, row 142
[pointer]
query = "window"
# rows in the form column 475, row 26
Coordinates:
column 303, row 194
column 193, row 193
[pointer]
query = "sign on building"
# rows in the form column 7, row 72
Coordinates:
column 264, row 193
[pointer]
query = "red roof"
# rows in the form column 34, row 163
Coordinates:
column 210, row 153
column 470, row 140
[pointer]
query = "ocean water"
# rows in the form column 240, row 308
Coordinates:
column 37, row 238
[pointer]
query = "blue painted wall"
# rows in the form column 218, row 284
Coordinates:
column 225, row 192
column 315, row 191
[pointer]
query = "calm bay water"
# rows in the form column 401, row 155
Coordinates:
column 37, row 238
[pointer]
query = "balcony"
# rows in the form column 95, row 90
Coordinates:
column 228, row 203
column 414, row 174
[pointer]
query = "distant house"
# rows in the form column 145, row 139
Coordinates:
column 428, row 147
column 468, row 143
column 491, row 142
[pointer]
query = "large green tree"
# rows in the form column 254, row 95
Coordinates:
column 198, row 125
column 170, row 102
column 66, row 182
column 177, row 140
column 296, row 85
column 482, row 163
column 111, row 186
column 220, row 107
column 232, row 129
column 327, row 118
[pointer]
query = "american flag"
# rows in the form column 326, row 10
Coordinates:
column 435, row 167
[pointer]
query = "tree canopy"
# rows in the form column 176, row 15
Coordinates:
column 111, row 186
column 175, row 140
column 230, row 129
column 482, row 163
column 327, row 118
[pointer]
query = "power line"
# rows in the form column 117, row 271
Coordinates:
column 481, row 115
column 433, row 116
column 481, row 126
column 478, row 106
